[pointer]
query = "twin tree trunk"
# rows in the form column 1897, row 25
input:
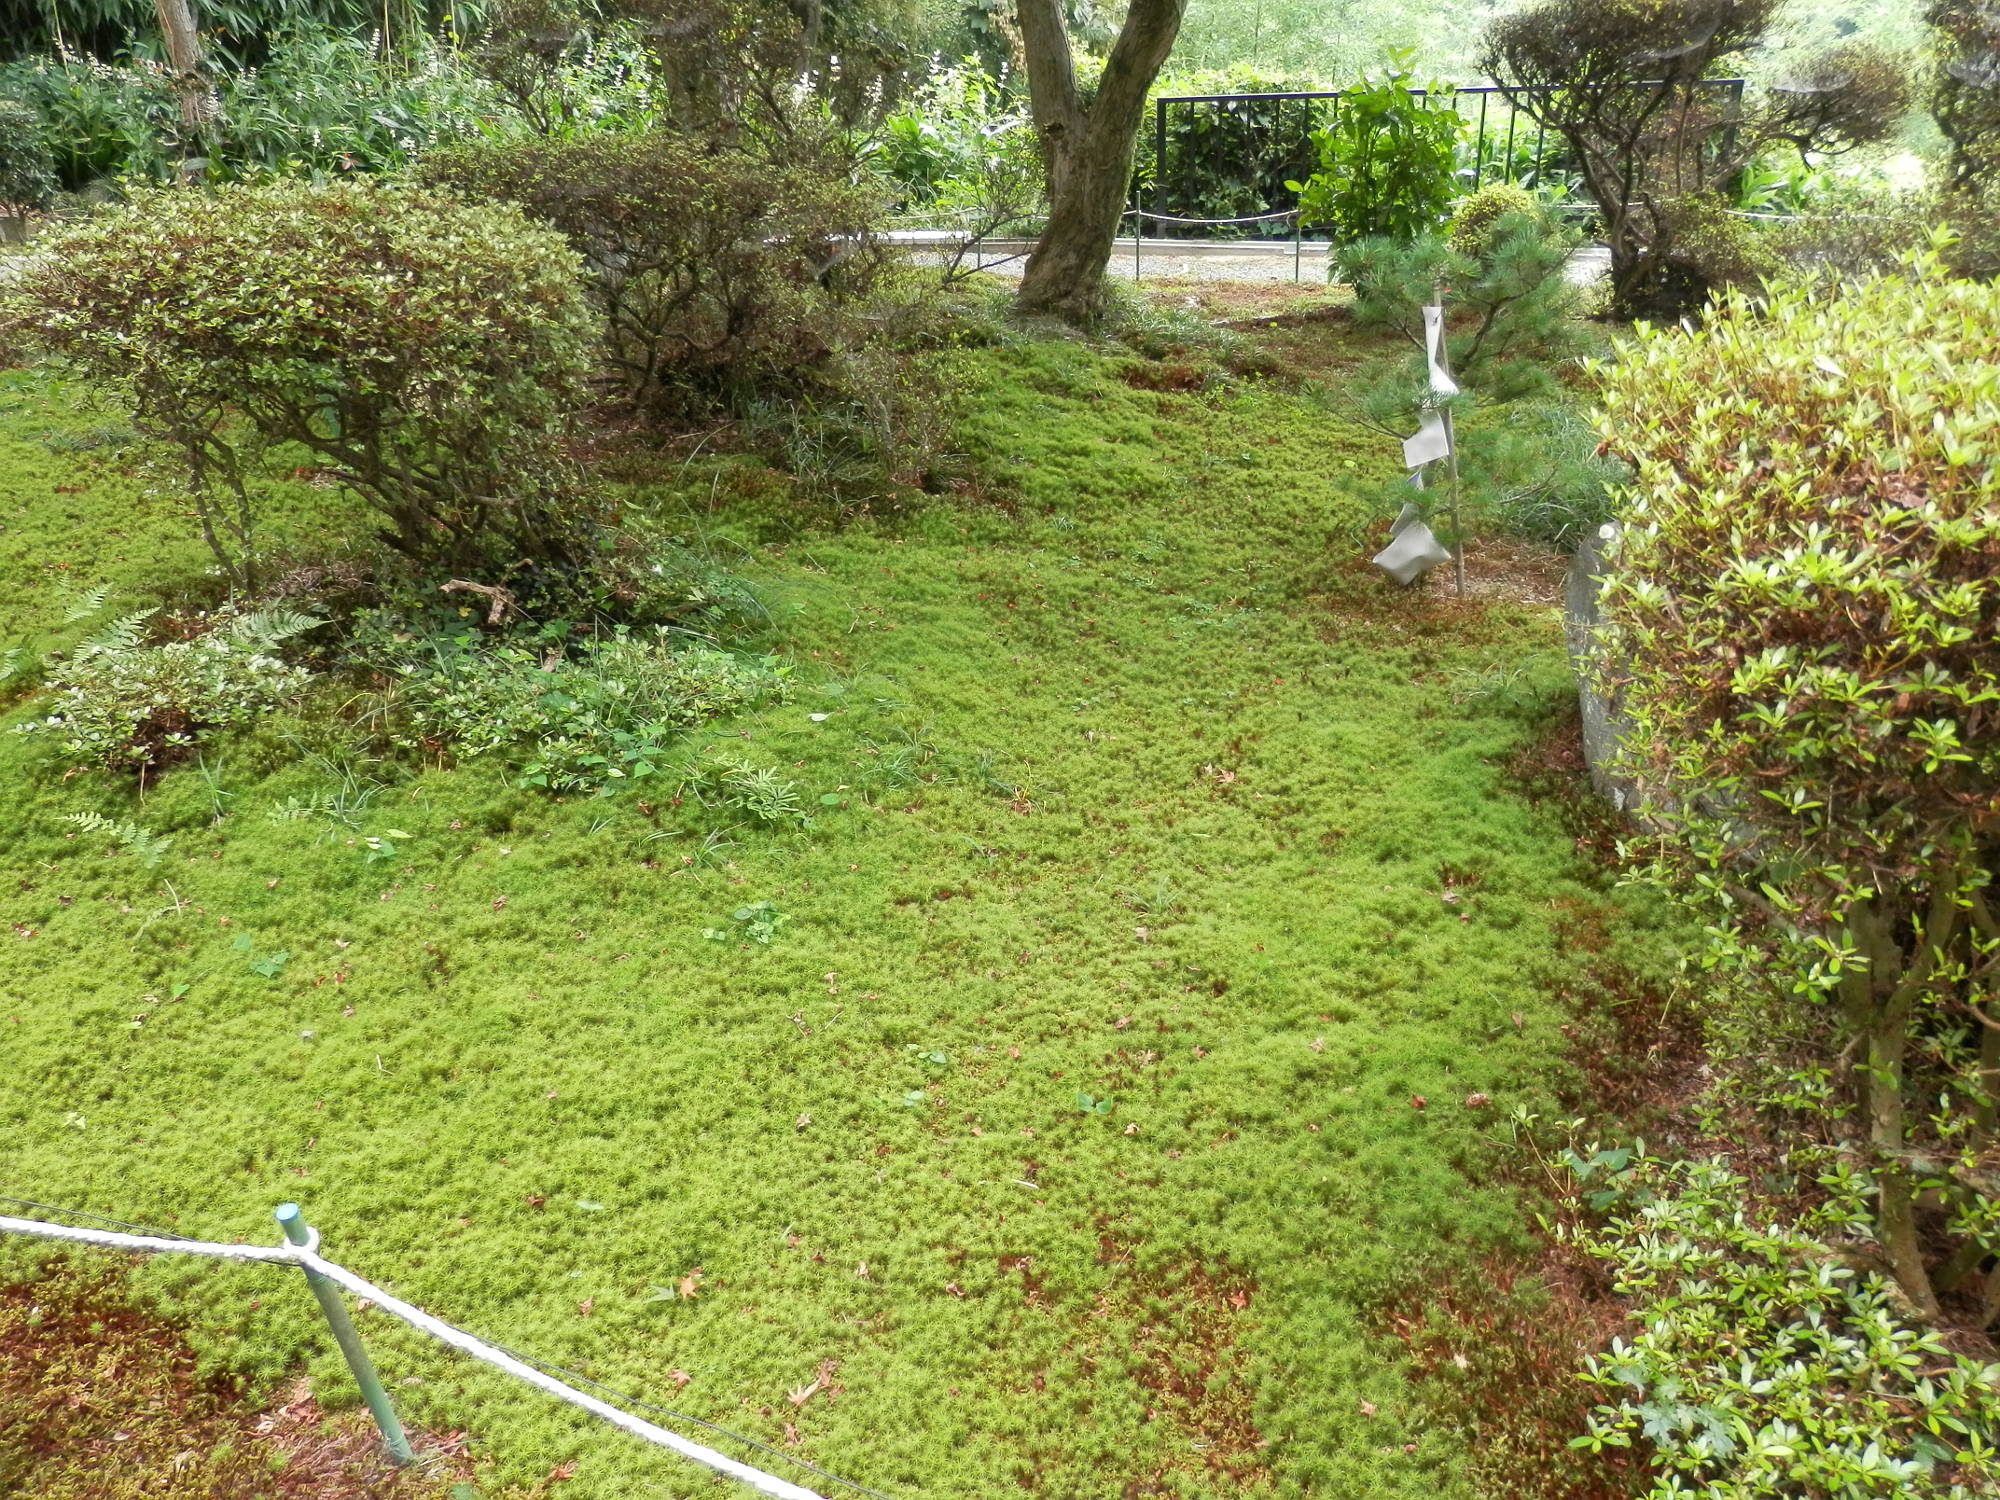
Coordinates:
column 1088, row 151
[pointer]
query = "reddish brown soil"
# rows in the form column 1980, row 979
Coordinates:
column 102, row 1402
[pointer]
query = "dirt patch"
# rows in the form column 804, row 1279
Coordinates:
column 1225, row 301
column 101, row 1402
column 1163, row 377
column 1496, row 1351
column 1176, row 1327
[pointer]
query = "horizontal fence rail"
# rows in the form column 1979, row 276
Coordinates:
column 306, row 1257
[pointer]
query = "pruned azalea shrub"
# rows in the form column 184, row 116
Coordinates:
column 720, row 275
column 1802, row 624
column 426, row 354
column 1764, row 1367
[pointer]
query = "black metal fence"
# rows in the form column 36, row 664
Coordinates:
column 1266, row 140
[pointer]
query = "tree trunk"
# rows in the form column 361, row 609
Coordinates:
column 1894, row 981
column 184, row 53
column 1888, row 1043
column 1088, row 153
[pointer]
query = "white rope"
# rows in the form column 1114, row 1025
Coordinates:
column 277, row 1254
column 305, row 1256
column 757, row 1479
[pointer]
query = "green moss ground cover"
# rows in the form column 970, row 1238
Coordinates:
column 1110, row 1063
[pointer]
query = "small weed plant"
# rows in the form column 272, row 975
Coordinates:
column 141, row 843
column 579, row 718
column 126, row 705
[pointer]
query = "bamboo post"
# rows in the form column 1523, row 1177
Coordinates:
column 292, row 1221
column 1451, row 448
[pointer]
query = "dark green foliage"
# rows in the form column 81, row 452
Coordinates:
column 323, row 103
column 1515, row 315
column 1387, row 159
column 236, row 31
column 1620, row 82
column 1803, row 623
column 427, row 354
column 96, row 120
column 1231, row 159
column 27, row 170
column 720, row 274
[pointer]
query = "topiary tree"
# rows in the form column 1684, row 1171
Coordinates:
column 426, row 353
column 1620, row 82
column 1965, row 86
column 1473, row 218
column 719, row 275
column 1802, row 623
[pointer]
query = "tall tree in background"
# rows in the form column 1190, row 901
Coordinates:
column 183, row 43
column 1965, row 89
column 1087, row 148
column 1622, row 83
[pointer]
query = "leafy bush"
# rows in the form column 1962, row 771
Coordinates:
column 127, row 705
column 1387, row 161
column 719, row 275
column 428, row 354
column 330, row 103
column 99, row 121
column 1718, row 248
column 941, row 148
column 1765, row 1366
column 323, row 102
column 1802, row 621
column 561, row 76
column 577, row 718
column 27, row 170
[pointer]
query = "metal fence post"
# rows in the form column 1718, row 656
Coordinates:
column 393, row 1438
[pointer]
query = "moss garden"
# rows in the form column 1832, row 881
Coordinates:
column 1053, row 1109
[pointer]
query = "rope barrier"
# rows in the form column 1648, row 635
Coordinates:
column 307, row 1257
column 84, row 1213
column 152, row 1244
column 1289, row 213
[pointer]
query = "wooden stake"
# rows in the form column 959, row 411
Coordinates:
column 1451, row 446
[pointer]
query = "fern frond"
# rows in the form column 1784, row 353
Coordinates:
column 86, row 604
column 142, row 843
column 263, row 629
column 10, row 662
column 122, row 634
